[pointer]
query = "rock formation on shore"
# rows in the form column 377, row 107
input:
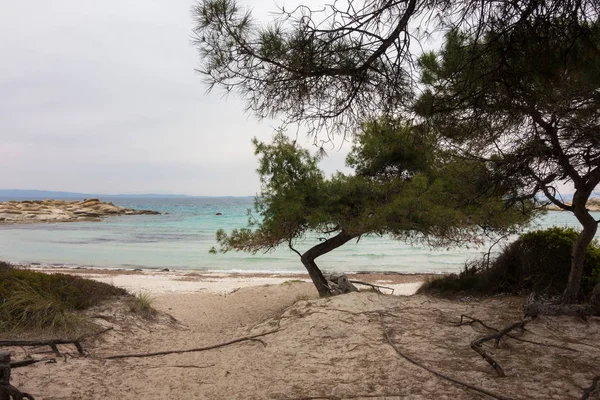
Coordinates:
column 36, row 211
column 592, row 205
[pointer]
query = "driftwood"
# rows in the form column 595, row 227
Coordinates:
column 339, row 284
column 588, row 391
column 8, row 391
column 214, row 346
column 477, row 344
column 51, row 342
column 436, row 373
column 376, row 287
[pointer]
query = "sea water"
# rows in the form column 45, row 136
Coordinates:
column 181, row 237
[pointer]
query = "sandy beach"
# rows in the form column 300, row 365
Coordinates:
column 329, row 348
column 156, row 282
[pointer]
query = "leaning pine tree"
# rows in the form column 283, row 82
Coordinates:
column 403, row 186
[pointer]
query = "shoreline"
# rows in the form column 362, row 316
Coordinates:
column 159, row 282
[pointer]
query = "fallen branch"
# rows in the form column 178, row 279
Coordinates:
column 588, row 391
column 477, row 344
column 214, row 346
column 376, row 287
column 436, row 373
column 51, row 342
column 475, row 320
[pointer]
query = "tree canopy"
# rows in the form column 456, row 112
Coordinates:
column 404, row 186
column 528, row 103
column 335, row 66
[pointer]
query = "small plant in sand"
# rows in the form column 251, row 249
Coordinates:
column 141, row 303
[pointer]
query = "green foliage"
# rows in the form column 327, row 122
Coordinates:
column 30, row 299
column 539, row 261
column 404, row 186
column 526, row 101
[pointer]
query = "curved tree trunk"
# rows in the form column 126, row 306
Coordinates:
column 308, row 259
column 590, row 226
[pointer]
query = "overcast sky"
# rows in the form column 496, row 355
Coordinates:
column 102, row 97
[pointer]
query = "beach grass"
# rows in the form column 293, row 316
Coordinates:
column 31, row 300
column 141, row 304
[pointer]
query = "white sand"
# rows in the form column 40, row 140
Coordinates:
column 155, row 282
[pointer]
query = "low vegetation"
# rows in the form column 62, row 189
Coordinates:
column 539, row 261
column 34, row 300
column 141, row 304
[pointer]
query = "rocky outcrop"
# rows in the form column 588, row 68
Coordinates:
column 35, row 211
column 592, row 205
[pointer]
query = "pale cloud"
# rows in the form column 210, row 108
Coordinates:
column 103, row 97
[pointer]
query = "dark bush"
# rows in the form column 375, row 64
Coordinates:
column 539, row 261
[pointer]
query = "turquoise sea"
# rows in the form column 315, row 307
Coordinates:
column 182, row 236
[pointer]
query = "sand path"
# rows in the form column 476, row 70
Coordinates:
column 330, row 348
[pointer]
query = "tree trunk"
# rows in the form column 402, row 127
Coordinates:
column 308, row 259
column 590, row 226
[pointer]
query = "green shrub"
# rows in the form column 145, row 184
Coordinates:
column 538, row 261
column 30, row 299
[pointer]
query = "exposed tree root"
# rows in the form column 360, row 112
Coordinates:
column 24, row 363
column 475, row 320
column 436, row 373
column 215, row 346
column 533, row 309
column 588, row 391
column 477, row 344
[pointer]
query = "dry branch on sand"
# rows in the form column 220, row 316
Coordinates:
column 477, row 344
column 163, row 353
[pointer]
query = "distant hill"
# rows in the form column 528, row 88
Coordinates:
column 48, row 194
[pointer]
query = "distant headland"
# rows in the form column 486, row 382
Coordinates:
column 20, row 194
column 36, row 211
